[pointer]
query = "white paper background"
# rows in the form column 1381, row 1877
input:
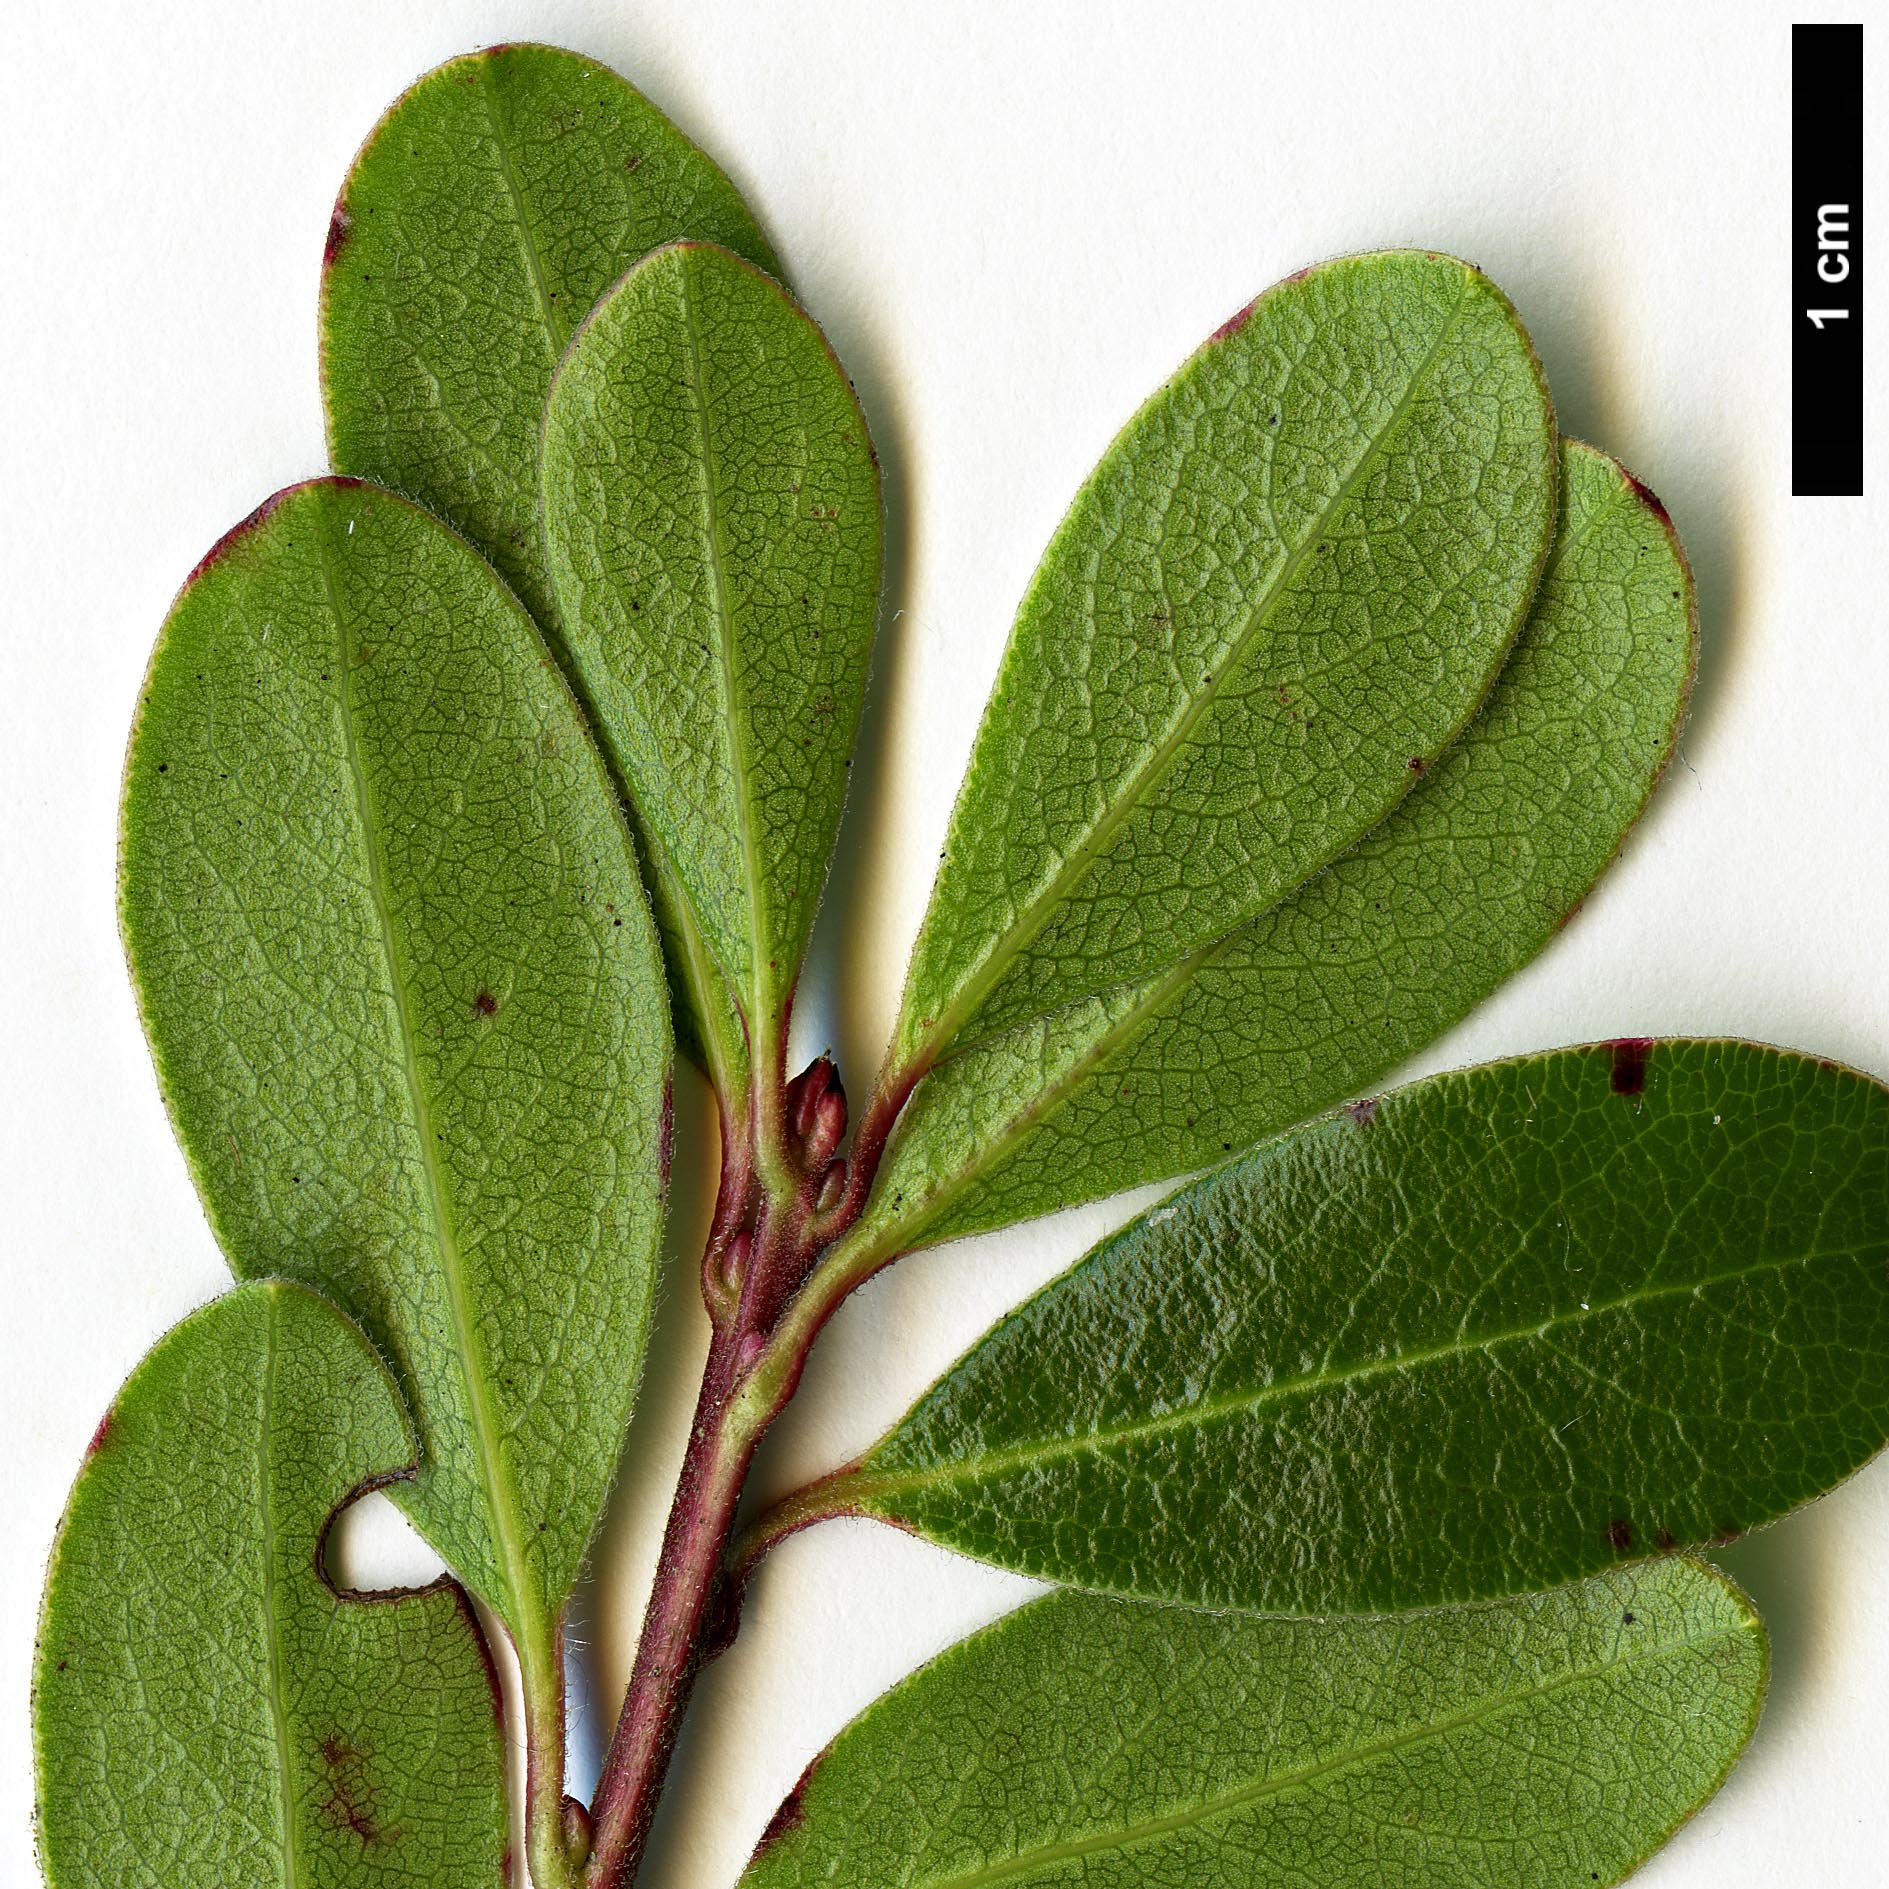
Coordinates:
column 1013, row 221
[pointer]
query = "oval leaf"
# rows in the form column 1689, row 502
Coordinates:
column 1522, row 1745
column 498, row 197
column 207, row 1709
column 405, row 1000
column 491, row 206
column 1465, row 881
column 1285, row 588
column 1497, row 1330
column 711, row 503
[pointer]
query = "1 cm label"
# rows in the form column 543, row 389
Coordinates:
column 1833, row 258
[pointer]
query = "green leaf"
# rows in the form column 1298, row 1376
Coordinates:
column 1529, row 1744
column 207, row 1709
column 492, row 205
column 1497, row 1330
column 1282, row 592
column 1471, row 876
column 498, row 197
column 406, row 1004
column 711, row 503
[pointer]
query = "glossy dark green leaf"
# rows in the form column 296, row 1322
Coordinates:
column 406, row 1004
column 1281, row 594
column 711, row 504
column 208, row 1711
column 1084, row 1743
column 497, row 199
column 1493, row 1331
column 1459, row 887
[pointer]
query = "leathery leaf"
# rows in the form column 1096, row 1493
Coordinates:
column 494, row 202
column 1496, row 1330
column 499, row 196
column 207, row 1708
column 1459, row 887
column 406, row 1003
column 1280, row 595
column 1522, row 1744
column 711, row 504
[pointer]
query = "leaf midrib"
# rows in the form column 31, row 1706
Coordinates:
column 870, row 1483
column 495, row 1488
column 727, row 674
column 1023, row 929
column 555, row 335
column 991, row 1152
column 271, row 1634
column 1152, row 1828
column 1012, row 1134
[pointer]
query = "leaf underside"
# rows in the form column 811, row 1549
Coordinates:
column 1464, row 882
column 711, row 507
column 499, row 196
column 1494, row 1331
column 207, row 1709
column 405, row 1000
column 1527, row 1744
column 1281, row 594
column 486, row 213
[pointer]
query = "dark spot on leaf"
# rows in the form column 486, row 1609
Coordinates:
column 1416, row 764
column 1620, row 1535
column 1629, row 1064
column 1626, row 1620
column 100, row 1437
column 1233, row 324
column 486, row 1004
column 1666, row 1541
column 349, row 1803
column 338, row 226
column 1363, row 1111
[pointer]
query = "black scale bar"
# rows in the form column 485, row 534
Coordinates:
column 1827, row 261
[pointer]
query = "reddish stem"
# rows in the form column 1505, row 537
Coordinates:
column 683, row 1628
column 762, row 1247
